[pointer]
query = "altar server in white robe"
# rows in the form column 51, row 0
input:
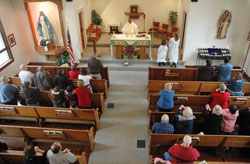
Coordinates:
column 173, row 54
column 162, row 53
column 130, row 28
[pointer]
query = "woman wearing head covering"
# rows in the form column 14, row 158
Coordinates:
column 162, row 53
column 184, row 120
column 220, row 97
column 166, row 101
column 213, row 118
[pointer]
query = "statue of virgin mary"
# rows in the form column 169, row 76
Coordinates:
column 44, row 27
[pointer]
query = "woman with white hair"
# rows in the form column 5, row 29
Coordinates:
column 166, row 100
column 163, row 127
column 213, row 118
column 182, row 153
column 184, row 120
column 220, row 97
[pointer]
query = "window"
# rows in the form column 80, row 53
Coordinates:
column 5, row 53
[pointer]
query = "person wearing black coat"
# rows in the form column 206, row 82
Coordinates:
column 213, row 118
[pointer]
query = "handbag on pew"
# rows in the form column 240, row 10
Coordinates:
column 3, row 146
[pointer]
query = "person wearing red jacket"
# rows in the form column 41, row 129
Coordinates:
column 73, row 74
column 220, row 97
column 182, row 153
column 82, row 93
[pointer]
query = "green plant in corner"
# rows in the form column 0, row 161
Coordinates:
column 64, row 58
column 173, row 15
column 96, row 18
column 43, row 42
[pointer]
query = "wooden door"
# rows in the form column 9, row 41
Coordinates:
column 81, row 29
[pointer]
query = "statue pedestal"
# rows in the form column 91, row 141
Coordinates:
column 52, row 54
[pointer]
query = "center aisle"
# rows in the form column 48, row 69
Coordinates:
column 122, row 126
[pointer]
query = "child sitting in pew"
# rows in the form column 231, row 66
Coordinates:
column 57, row 97
column 70, row 95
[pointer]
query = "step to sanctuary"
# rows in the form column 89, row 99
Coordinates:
column 134, row 65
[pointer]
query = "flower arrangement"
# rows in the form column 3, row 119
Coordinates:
column 128, row 52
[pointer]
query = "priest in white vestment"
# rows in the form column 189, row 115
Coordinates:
column 130, row 28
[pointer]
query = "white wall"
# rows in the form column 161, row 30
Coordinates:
column 71, row 10
column 15, row 20
column 113, row 11
column 51, row 11
column 202, row 26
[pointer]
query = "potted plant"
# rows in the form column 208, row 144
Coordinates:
column 64, row 58
column 136, row 54
column 173, row 15
column 125, row 53
column 96, row 18
column 43, row 43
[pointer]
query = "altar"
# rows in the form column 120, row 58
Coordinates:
column 121, row 40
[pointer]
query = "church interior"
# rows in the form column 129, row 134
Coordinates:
column 57, row 33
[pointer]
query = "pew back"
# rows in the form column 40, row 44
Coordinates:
column 49, row 114
column 27, row 132
column 195, row 87
column 197, row 102
column 32, row 67
column 179, row 74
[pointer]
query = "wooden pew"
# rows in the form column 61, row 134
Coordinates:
column 158, row 142
column 179, row 74
column 195, row 87
column 95, row 98
column 50, row 114
column 98, row 85
column 40, row 133
column 49, row 67
column 196, row 102
column 156, row 117
column 17, row 156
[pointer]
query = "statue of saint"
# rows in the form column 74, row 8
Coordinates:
column 224, row 23
column 44, row 27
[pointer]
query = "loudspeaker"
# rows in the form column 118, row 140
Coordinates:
column 194, row 0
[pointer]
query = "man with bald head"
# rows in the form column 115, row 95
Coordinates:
column 182, row 153
column 130, row 28
column 25, row 75
column 56, row 156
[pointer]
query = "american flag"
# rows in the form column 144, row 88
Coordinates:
column 69, row 47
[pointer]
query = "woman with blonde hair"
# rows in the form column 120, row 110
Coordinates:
column 166, row 100
column 82, row 93
column 235, row 85
column 184, row 120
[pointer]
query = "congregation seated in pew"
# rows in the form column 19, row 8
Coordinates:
column 224, row 71
column 220, row 97
column 235, row 85
column 206, row 72
column 212, row 120
column 163, row 127
column 30, row 156
column 182, row 153
column 61, row 80
column 184, row 120
column 166, row 101
column 73, row 73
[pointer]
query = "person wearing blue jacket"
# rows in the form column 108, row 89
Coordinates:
column 166, row 101
column 224, row 71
